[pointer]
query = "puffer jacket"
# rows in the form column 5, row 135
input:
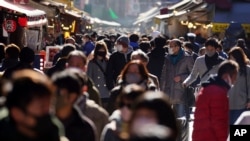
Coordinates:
column 211, row 120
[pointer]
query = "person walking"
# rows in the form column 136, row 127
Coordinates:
column 206, row 64
column 96, row 70
column 156, row 56
column 178, row 65
column 211, row 113
column 118, row 60
column 239, row 93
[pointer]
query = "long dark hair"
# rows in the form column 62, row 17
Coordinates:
column 240, row 58
column 100, row 45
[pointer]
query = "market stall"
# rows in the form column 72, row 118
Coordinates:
column 22, row 24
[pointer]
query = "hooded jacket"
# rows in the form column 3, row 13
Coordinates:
column 211, row 120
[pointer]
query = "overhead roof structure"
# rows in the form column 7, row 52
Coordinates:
column 188, row 10
column 22, row 8
column 148, row 15
column 104, row 22
column 35, row 16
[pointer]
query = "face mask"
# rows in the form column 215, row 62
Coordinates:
column 43, row 125
column 84, row 41
column 125, row 113
column 210, row 53
column 119, row 48
column 132, row 78
column 60, row 101
column 139, row 122
column 170, row 51
column 101, row 53
column 229, row 81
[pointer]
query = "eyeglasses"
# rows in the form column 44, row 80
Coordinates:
column 128, row 105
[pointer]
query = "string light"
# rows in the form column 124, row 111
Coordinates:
column 194, row 25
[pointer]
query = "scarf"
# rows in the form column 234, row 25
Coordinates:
column 212, row 61
column 174, row 59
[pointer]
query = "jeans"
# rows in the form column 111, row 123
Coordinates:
column 181, row 110
column 234, row 114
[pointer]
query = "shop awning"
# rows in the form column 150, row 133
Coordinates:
column 194, row 11
column 164, row 16
column 179, row 4
column 50, row 11
column 104, row 22
column 148, row 15
column 22, row 8
column 35, row 17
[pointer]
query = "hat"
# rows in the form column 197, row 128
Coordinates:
column 155, row 34
column 123, row 39
column 69, row 38
column 191, row 35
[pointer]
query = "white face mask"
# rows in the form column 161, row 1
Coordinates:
column 119, row 48
column 125, row 113
column 229, row 81
column 132, row 78
column 142, row 121
column 210, row 53
column 170, row 51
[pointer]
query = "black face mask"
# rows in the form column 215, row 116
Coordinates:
column 101, row 53
column 44, row 125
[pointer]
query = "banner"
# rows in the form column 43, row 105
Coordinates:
column 221, row 27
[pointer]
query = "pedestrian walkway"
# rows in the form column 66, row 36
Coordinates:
column 191, row 124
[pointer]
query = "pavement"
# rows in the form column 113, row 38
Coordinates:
column 191, row 124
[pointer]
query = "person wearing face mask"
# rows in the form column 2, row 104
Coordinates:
column 88, row 45
column 118, row 60
column 134, row 72
column 211, row 114
column 205, row 65
column 28, row 103
column 239, row 94
column 96, row 70
column 117, row 129
column 78, row 126
column 188, row 47
column 153, row 108
column 178, row 65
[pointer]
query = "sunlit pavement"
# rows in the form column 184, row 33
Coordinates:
column 191, row 124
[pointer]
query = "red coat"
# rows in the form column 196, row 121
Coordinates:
column 211, row 117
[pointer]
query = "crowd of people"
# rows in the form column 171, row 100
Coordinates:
column 125, row 87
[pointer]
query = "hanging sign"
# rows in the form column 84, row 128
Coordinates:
column 9, row 25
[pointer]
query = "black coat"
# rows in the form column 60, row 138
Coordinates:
column 115, row 64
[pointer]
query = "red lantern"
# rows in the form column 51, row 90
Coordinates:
column 22, row 21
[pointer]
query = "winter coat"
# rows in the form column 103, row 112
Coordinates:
column 116, row 63
column 211, row 120
column 199, row 70
column 182, row 68
column 98, row 76
column 156, row 61
column 112, row 130
column 94, row 112
column 88, row 47
column 238, row 96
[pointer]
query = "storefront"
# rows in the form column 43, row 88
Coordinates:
column 68, row 20
column 22, row 25
column 186, row 16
